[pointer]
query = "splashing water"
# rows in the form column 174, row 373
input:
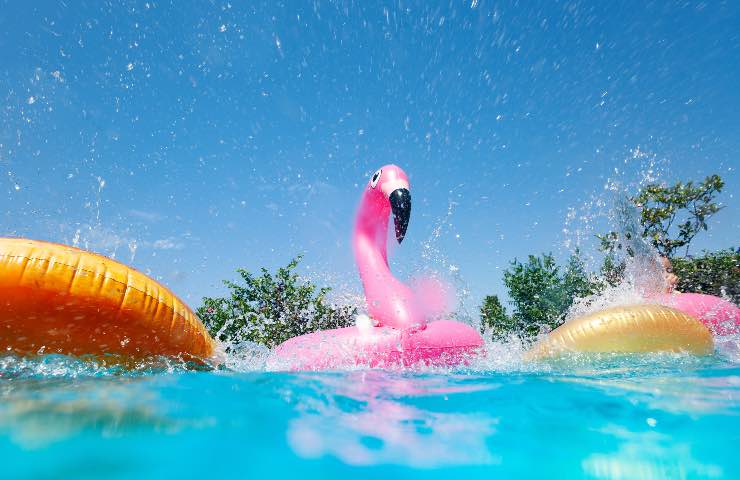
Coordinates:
column 643, row 276
column 451, row 288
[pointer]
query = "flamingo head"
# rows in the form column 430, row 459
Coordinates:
column 391, row 183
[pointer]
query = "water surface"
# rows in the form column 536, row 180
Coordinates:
column 660, row 416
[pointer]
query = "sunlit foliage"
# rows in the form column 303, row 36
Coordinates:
column 269, row 309
column 714, row 273
column 541, row 293
column 494, row 318
column 672, row 216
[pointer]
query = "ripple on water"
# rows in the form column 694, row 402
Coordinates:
column 606, row 416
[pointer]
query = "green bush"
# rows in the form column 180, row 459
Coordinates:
column 541, row 293
column 269, row 309
column 714, row 273
column 494, row 318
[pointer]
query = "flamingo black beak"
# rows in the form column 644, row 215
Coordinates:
column 401, row 206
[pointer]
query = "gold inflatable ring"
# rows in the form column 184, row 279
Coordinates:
column 631, row 329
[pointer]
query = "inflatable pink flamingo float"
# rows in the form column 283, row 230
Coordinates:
column 719, row 315
column 399, row 333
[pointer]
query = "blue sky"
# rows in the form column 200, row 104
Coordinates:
column 192, row 138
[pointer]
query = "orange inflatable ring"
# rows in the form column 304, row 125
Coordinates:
column 60, row 299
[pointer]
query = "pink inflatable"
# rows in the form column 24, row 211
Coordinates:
column 440, row 343
column 398, row 334
column 722, row 317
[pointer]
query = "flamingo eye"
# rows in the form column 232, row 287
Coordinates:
column 376, row 177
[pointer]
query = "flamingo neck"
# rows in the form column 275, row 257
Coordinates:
column 389, row 301
column 370, row 238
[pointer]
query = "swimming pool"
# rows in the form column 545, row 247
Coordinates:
column 189, row 139
column 656, row 416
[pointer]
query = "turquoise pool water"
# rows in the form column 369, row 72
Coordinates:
column 660, row 416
